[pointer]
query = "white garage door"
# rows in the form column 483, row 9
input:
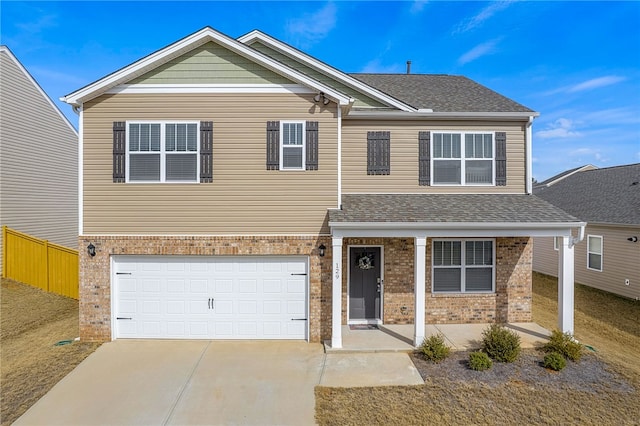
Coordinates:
column 210, row 297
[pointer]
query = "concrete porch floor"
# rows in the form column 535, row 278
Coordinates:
column 399, row 338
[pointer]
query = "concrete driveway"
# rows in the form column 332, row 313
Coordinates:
column 147, row 382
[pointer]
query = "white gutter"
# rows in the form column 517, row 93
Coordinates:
column 339, row 156
column 420, row 115
column 458, row 225
column 80, row 112
column 528, row 175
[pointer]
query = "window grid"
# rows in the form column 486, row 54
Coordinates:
column 161, row 152
column 594, row 252
column 461, row 259
column 292, row 145
column 458, row 163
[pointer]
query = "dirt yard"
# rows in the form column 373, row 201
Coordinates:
column 31, row 323
column 602, row 389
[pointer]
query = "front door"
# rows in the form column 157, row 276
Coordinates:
column 365, row 284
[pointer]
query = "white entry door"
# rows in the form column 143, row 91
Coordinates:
column 167, row 297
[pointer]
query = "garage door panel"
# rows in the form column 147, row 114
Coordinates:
column 211, row 297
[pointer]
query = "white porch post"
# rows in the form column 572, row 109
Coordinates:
column 565, row 285
column 419, row 288
column 336, row 294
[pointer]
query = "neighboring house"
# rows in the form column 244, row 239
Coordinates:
column 608, row 200
column 241, row 189
column 38, row 159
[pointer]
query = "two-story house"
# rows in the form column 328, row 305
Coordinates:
column 242, row 189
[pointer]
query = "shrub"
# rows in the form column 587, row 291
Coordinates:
column 434, row 349
column 501, row 344
column 554, row 361
column 564, row 344
column 479, row 361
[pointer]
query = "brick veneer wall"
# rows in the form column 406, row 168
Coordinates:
column 95, row 278
column 510, row 303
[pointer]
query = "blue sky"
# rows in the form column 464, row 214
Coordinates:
column 577, row 63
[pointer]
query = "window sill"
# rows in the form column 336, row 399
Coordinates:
column 467, row 294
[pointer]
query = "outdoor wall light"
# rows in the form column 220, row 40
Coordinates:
column 633, row 239
column 321, row 250
column 91, row 249
column 319, row 96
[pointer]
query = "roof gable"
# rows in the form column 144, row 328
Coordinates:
column 608, row 195
column 187, row 44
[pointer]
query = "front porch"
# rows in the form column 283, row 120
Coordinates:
column 399, row 338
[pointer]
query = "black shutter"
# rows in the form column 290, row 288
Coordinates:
column 501, row 158
column 273, row 145
column 312, row 145
column 119, row 151
column 424, row 158
column 378, row 153
column 206, row 151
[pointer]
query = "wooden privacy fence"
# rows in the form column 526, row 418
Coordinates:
column 39, row 263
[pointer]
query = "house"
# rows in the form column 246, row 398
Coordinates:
column 242, row 189
column 38, row 159
column 608, row 199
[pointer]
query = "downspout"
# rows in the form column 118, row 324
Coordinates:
column 528, row 173
column 80, row 111
column 339, row 156
column 575, row 240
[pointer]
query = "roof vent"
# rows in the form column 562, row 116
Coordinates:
column 408, row 67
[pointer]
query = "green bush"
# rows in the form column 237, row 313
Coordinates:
column 554, row 361
column 500, row 343
column 564, row 344
column 479, row 361
column 434, row 349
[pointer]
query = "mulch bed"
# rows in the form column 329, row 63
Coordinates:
column 589, row 374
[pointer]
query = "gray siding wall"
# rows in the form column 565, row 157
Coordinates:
column 620, row 260
column 38, row 160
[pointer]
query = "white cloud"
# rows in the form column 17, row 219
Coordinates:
column 589, row 154
column 481, row 17
column 39, row 24
column 313, row 27
column 417, row 6
column 596, row 83
column 480, row 50
column 375, row 66
column 561, row 128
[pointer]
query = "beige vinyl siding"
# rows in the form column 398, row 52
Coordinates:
column 404, row 157
column 38, row 161
column 362, row 101
column 244, row 197
column 620, row 260
column 211, row 64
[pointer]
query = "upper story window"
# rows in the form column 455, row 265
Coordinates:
column 463, row 159
column 162, row 152
column 594, row 252
column 292, row 145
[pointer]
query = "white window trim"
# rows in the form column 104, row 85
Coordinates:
column 463, row 267
column 303, row 148
column 162, row 151
column 462, row 158
column 601, row 254
column 556, row 246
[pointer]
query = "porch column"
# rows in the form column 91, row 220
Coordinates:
column 565, row 285
column 336, row 294
column 419, row 261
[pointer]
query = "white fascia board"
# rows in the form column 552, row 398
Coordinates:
column 401, row 115
column 448, row 229
column 209, row 88
column 37, row 86
column 176, row 49
column 324, row 68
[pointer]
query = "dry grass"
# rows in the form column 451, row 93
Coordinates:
column 608, row 323
column 31, row 323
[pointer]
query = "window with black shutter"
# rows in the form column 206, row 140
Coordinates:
column 292, row 145
column 424, row 158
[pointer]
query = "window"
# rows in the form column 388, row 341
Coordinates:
column 594, row 252
column 465, row 266
column 292, row 145
column 162, row 152
column 462, row 158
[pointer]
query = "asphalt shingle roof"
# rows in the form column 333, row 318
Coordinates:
column 441, row 93
column 610, row 195
column 443, row 208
